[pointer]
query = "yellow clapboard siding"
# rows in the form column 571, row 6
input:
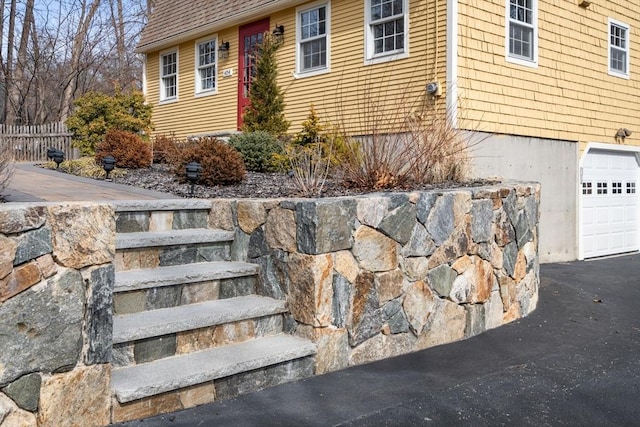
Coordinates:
column 570, row 94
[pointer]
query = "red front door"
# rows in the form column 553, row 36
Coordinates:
column 250, row 36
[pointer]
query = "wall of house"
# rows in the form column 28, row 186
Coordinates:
column 341, row 96
column 569, row 96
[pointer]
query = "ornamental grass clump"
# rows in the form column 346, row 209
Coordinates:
column 408, row 143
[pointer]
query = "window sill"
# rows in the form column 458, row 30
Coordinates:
column 618, row 74
column 381, row 58
column 204, row 93
column 310, row 73
column 524, row 62
column 168, row 101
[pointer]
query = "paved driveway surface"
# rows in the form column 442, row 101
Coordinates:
column 574, row 361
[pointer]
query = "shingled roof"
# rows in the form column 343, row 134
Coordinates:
column 175, row 21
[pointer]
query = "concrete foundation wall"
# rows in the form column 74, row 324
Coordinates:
column 552, row 163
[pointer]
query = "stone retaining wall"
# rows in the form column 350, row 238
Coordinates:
column 365, row 278
column 56, row 278
column 380, row 275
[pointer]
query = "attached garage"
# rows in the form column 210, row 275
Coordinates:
column 610, row 202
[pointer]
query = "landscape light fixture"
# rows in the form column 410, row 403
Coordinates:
column 58, row 157
column 223, row 50
column 193, row 170
column 278, row 33
column 108, row 164
column 50, row 152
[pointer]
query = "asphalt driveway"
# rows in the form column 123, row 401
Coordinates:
column 574, row 361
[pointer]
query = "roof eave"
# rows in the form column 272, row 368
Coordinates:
column 241, row 18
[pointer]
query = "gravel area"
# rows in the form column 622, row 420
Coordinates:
column 255, row 185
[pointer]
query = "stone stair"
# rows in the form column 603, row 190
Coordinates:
column 188, row 326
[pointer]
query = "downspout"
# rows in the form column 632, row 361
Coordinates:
column 144, row 75
column 452, row 61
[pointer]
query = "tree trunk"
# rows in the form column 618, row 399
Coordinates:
column 84, row 24
column 7, row 115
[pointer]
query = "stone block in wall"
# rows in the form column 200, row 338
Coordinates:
column 399, row 223
column 474, row 281
column 325, row 225
column 453, row 248
column 415, row 268
column 346, row 265
column 389, row 285
column 251, row 215
column 374, row 251
column 7, row 255
column 11, row 415
column 99, row 321
column 150, row 349
column 332, row 345
column 440, row 223
column 17, row 218
column 161, row 221
column 257, row 243
column 310, row 295
column 47, row 266
column 446, row 324
column 83, row 234
column 365, row 318
column 424, row 205
column 419, row 305
column 43, row 327
column 221, row 215
column 21, row 279
column 272, row 283
column 419, row 244
column 371, row 210
column 25, row 391
column 503, row 228
column 342, row 293
column 279, row 230
column 394, row 318
column 373, row 349
column 441, row 279
column 79, row 398
column 481, row 220
column 147, row 407
column 32, row 244
column 190, row 219
column 132, row 222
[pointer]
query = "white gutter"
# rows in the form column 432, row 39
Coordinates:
column 241, row 18
column 452, row 61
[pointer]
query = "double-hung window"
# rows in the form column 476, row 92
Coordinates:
column 386, row 32
column 169, row 76
column 618, row 49
column 206, row 66
column 313, row 43
column 522, row 32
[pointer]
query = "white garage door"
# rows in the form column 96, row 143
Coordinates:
column 610, row 207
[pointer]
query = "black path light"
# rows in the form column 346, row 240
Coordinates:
column 58, row 157
column 108, row 164
column 50, row 152
column 193, row 173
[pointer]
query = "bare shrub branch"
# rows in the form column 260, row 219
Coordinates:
column 7, row 164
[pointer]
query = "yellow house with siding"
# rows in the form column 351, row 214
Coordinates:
column 548, row 90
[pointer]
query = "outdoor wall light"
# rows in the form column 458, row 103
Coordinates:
column 223, row 50
column 584, row 3
column 193, row 170
column 278, row 33
column 108, row 164
column 58, row 157
column 621, row 134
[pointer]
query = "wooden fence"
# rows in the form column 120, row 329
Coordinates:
column 30, row 143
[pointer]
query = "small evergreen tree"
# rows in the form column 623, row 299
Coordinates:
column 97, row 113
column 266, row 101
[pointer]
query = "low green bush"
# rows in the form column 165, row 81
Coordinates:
column 257, row 150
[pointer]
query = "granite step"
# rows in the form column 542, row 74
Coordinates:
column 189, row 236
column 161, row 205
column 172, row 373
column 132, row 280
column 164, row 321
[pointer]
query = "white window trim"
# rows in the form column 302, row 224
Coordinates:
column 611, row 71
column 161, row 95
column 520, row 61
column 197, row 81
column 299, row 73
column 369, row 57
